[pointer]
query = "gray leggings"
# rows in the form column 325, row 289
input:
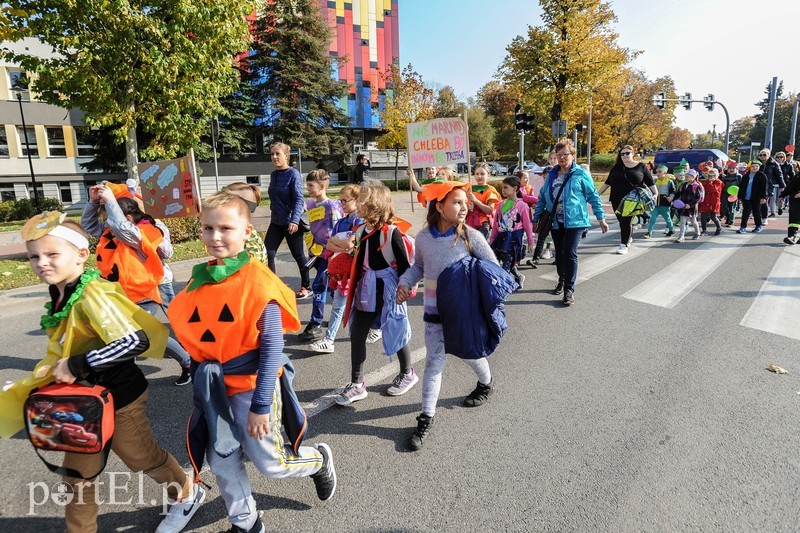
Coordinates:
column 705, row 217
column 174, row 348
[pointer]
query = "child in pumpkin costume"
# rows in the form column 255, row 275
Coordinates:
column 130, row 249
column 231, row 317
column 483, row 199
column 95, row 335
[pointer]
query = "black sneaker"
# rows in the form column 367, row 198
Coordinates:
column 780, row 211
column 311, row 333
column 424, row 423
column 258, row 527
column 325, row 479
column 185, row 378
column 530, row 263
column 520, row 279
column 568, row 298
column 559, row 288
column 790, row 240
column 479, row 396
column 670, row 233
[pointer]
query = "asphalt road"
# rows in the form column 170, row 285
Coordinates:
column 634, row 413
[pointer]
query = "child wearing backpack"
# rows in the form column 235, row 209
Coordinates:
column 512, row 218
column 445, row 240
column 338, row 254
column 383, row 254
column 689, row 194
column 129, row 251
column 251, row 194
column 323, row 213
column 95, row 334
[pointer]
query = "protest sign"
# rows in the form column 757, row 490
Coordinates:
column 169, row 188
column 438, row 142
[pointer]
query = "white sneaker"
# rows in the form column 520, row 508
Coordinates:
column 322, row 346
column 352, row 393
column 546, row 254
column 182, row 511
column 374, row 336
column 623, row 249
column 402, row 383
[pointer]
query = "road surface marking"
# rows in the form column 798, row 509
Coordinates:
column 775, row 307
column 672, row 283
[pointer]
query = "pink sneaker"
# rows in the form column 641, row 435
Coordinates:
column 352, row 393
column 402, row 383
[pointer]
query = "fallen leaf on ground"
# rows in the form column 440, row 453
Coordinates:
column 6, row 273
column 777, row 369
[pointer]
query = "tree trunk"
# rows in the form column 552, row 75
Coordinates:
column 396, row 166
column 132, row 149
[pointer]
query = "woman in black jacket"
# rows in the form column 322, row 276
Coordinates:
column 772, row 170
column 625, row 175
column 788, row 174
column 753, row 198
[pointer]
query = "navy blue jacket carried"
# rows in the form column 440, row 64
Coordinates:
column 474, row 317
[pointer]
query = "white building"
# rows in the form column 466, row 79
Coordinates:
column 56, row 137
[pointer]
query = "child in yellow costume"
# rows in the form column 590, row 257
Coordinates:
column 231, row 317
column 95, row 335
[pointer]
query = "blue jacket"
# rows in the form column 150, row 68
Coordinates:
column 579, row 191
column 286, row 196
column 473, row 316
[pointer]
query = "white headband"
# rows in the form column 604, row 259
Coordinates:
column 71, row 236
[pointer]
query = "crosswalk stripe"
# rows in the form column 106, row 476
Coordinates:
column 599, row 263
column 775, row 308
column 671, row 284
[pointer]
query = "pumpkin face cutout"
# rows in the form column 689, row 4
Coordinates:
column 120, row 263
column 225, row 315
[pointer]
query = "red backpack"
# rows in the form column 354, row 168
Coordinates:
column 70, row 418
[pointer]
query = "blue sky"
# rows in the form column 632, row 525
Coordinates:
column 707, row 46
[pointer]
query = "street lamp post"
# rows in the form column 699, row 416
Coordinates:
column 18, row 89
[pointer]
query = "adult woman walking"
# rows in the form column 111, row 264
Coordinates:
column 625, row 175
column 287, row 204
column 564, row 195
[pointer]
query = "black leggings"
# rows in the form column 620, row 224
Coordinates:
column 359, row 329
column 274, row 238
column 625, row 228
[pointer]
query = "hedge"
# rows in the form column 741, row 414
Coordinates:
column 23, row 209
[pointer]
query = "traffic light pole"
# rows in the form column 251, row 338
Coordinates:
column 715, row 102
column 521, row 150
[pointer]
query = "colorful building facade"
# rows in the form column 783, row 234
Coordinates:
column 366, row 32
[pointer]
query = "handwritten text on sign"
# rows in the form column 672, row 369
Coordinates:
column 438, row 142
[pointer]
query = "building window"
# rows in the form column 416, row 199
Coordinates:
column 7, row 195
column 17, row 80
column 66, row 192
column 3, row 142
column 30, row 133
column 55, row 141
column 85, row 143
column 254, row 180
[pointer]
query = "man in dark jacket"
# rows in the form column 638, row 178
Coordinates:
column 772, row 170
column 361, row 170
column 753, row 194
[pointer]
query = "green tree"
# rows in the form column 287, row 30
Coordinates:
column 411, row 101
column 290, row 72
column 740, row 134
column 159, row 67
column 782, row 124
column 561, row 62
column 498, row 100
column 447, row 104
column 481, row 131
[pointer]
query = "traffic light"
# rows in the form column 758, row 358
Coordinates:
column 708, row 102
column 519, row 118
column 686, row 101
column 530, row 122
column 579, row 128
column 659, row 100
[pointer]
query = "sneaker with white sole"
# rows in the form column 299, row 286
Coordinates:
column 325, row 479
column 623, row 249
column 352, row 393
column 402, row 383
column 374, row 336
column 182, row 511
column 322, row 346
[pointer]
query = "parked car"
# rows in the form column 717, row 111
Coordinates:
column 497, row 169
column 670, row 158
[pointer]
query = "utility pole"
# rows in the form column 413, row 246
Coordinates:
column 773, row 92
column 589, row 136
column 794, row 122
column 19, row 90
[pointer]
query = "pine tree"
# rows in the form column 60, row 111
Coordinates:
column 290, row 73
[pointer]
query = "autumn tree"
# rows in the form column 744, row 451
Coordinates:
column 290, row 73
column 740, row 133
column 159, row 67
column 678, row 139
column 447, row 104
column 411, row 101
column 481, row 131
column 498, row 99
column 558, row 64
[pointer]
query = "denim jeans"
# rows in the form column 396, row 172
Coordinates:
column 337, row 313
column 566, row 244
column 320, row 288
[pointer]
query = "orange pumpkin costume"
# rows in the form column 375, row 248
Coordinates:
column 121, row 263
column 217, row 321
column 487, row 195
